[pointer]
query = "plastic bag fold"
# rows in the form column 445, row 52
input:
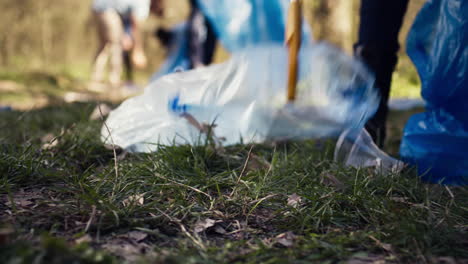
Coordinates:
column 436, row 141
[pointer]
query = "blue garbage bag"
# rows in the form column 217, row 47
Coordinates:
column 238, row 24
column 437, row 140
column 242, row 23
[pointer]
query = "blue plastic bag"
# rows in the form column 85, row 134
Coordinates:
column 242, row 23
column 437, row 140
column 238, row 24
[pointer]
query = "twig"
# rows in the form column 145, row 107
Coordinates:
column 245, row 165
column 116, row 165
column 196, row 241
column 243, row 170
column 91, row 218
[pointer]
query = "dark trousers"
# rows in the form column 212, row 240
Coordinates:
column 377, row 46
column 127, row 61
column 201, row 37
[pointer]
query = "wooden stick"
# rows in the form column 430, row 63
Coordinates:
column 293, row 40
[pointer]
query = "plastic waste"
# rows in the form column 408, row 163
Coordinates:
column 246, row 99
column 355, row 148
column 242, row 23
column 238, row 24
column 436, row 141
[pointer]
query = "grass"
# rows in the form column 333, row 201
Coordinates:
column 64, row 197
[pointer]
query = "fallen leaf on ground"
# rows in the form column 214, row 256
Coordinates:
column 202, row 225
column 385, row 246
column 125, row 250
column 399, row 199
column 286, row 239
column 220, row 230
column 21, row 202
column 370, row 259
column 137, row 199
column 101, row 111
column 257, row 163
column 329, row 179
column 137, row 236
column 84, row 239
column 294, row 200
column 49, row 141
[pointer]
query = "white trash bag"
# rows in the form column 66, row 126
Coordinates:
column 245, row 99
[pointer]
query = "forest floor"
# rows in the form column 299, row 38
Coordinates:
column 67, row 198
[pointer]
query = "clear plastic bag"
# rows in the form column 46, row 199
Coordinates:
column 436, row 141
column 246, row 99
column 355, row 148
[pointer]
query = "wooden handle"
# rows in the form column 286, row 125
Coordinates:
column 293, row 40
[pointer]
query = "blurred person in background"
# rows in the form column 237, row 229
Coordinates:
column 201, row 37
column 119, row 27
column 191, row 44
column 378, row 46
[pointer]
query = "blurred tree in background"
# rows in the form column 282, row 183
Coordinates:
column 39, row 32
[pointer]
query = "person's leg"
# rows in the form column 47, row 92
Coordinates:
column 377, row 47
column 127, row 51
column 102, row 54
column 201, row 37
column 128, row 66
column 115, row 35
column 210, row 44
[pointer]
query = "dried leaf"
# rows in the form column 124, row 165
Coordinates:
column 220, row 230
column 257, row 163
column 84, row 239
column 137, row 199
column 137, row 236
column 101, row 111
column 49, row 141
column 286, row 239
column 399, row 199
column 124, row 249
column 404, row 200
column 21, row 202
column 329, row 179
column 202, row 225
column 369, row 259
column 385, row 246
column 294, row 200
